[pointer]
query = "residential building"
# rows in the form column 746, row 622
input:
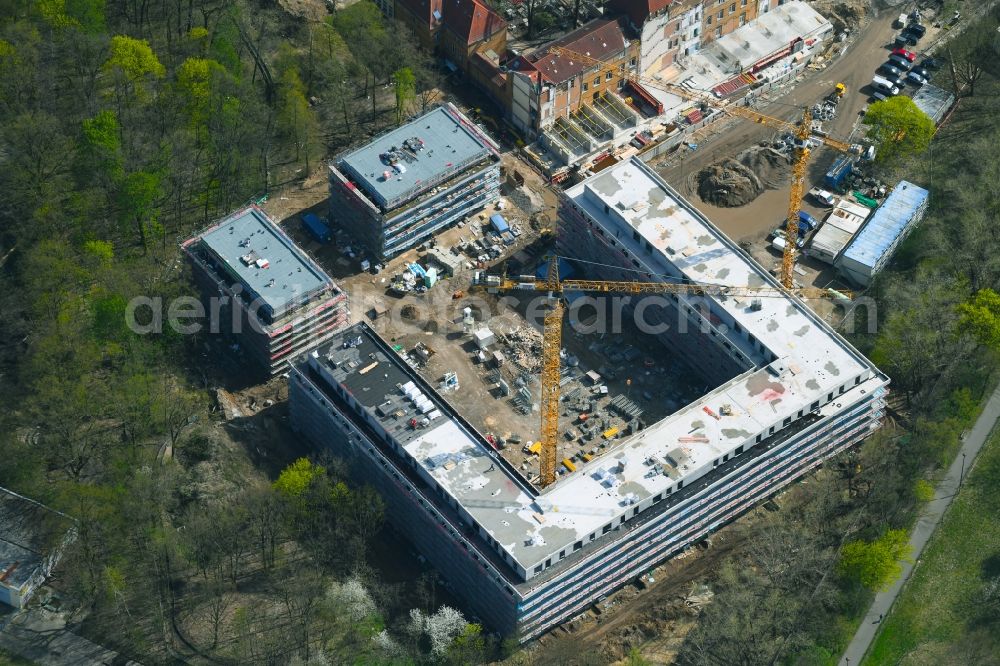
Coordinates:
column 548, row 85
column 413, row 181
column 721, row 17
column 468, row 34
column 260, row 288
column 789, row 393
column 667, row 30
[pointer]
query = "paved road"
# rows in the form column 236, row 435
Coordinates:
column 926, row 524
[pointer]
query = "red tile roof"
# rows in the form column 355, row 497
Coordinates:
column 424, row 10
column 637, row 10
column 598, row 39
column 471, row 20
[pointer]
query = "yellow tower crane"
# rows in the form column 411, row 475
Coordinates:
column 552, row 330
column 802, row 131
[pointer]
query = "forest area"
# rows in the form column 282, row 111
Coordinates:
column 126, row 126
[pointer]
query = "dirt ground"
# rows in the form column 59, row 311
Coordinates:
column 855, row 69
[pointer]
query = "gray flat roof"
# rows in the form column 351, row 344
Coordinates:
column 933, row 101
column 279, row 272
column 450, row 143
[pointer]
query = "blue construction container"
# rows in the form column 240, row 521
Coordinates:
column 316, row 228
column 499, row 224
column 839, row 171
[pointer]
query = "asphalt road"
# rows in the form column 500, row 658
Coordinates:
column 928, row 521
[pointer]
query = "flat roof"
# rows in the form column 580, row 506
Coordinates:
column 531, row 527
column 29, row 532
column 446, row 142
column 278, row 272
column 731, row 54
column 889, row 220
column 933, row 101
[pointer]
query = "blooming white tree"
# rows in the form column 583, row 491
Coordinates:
column 441, row 628
column 352, row 597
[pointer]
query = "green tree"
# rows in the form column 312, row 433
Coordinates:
column 294, row 480
column 406, row 86
column 875, row 564
column 194, row 84
column 296, row 120
column 980, row 317
column 899, row 128
column 137, row 203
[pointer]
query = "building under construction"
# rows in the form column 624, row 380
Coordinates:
column 261, row 289
column 414, row 181
column 786, row 393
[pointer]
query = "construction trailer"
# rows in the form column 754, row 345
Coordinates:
column 873, row 246
column 414, row 181
column 262, row 290
column 785, row 393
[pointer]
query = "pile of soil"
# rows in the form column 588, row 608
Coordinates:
column 844, row 15
column 736, row 182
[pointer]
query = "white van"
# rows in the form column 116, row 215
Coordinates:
column 884, row 85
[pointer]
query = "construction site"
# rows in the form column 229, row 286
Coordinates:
column 563, row 460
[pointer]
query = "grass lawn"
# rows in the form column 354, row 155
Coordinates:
column 940, row 617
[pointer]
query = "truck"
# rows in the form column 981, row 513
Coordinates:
column 316, row 228
column 838, row 173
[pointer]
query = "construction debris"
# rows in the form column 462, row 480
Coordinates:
column 525, row 349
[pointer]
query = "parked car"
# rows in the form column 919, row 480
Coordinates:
column 921, row 71
column 909, row 55
column 905, row 39
column 890, row 70
column 931, row 63
column 821, row 196
column 806, row 222
column 883, row 85
column 915, row 78
column 880, row 96
column 900, row 62
column 778, row 242
column 916, row 29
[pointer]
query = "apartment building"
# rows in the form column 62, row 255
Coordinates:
column 788, row 393
column 413, row 181
column 260, row 288
column 549, row 83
